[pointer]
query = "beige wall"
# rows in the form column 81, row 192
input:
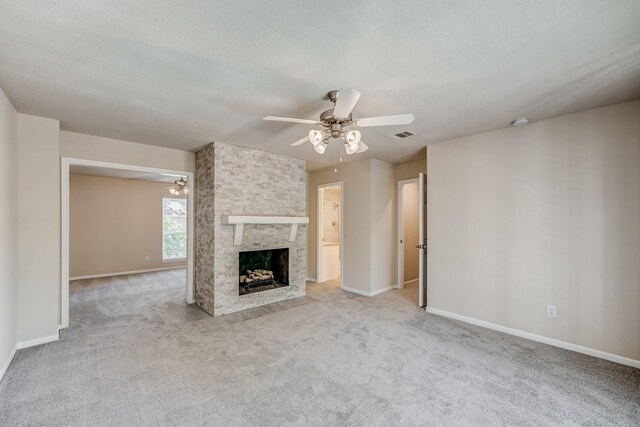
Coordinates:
column 356, row 234
column 38, row 227
column 368, row 223
column 30, row 168
column 370, row 227
column 411, row 232
column 114, row 223
column 383, row 229
column 410, row 170
column 8, row 230
column 40, row 145
column 544, row 214
column 89, row 147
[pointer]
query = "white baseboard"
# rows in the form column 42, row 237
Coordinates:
column 368, row 294
column 6, row 364
column 38, row 341
column 410, row 281
column 25, row 344
column 311, row 279
column 356, row 291
column 539, row 338
column 123, row 273
column 381, row 291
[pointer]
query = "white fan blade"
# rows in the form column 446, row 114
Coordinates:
column 362, row 147
column 347, row 99
column 300, row 142
column 400, row 119
column 289, row 119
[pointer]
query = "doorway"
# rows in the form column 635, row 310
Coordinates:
column 166, row 246
column 408, row 237
column 412, row 239
column 329, row 240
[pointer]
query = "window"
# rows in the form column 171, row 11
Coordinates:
column 174, row 229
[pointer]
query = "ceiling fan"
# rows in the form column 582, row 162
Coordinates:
column 179, row 187
column 337, row 121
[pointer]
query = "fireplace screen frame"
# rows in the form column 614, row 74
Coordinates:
column 255, row 269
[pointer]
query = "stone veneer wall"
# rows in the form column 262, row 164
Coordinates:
column 233, row 180
column 203, row 224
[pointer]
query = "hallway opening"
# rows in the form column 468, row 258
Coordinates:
column 329, row 232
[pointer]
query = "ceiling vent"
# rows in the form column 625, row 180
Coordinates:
column 401, row 135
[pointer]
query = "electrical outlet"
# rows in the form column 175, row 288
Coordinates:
column 146, row 258
column 551, row 310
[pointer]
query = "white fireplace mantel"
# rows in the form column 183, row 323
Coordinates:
column 238, row 222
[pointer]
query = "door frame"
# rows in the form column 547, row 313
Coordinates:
column 422, row 242
column 65, row 165
column 400, row 231
column 319, row 225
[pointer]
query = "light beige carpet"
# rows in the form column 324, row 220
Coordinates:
column 136, row 355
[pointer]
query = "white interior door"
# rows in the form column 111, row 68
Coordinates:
column 422, row 241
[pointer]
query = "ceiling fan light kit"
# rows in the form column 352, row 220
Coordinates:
column 336, row 123
column 352, row 137
column 179, row 187
column 351, row 149
column 315, row 136
column 320, row 147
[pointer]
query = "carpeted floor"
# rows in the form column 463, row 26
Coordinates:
column 136, row 355
column 409, row 293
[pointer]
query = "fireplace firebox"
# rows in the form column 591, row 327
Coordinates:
column 263, row 270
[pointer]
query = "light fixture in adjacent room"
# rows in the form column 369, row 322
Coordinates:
column 179, row 187
column 521, row 121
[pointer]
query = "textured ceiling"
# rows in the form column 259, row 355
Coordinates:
column 173, row 75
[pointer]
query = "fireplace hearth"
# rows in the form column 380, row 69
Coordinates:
column 263, row 270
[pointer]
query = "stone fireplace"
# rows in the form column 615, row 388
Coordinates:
column 237, row 182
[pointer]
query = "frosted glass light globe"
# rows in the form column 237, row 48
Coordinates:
column 316, row 137
column 320, row 148
column 352, row 137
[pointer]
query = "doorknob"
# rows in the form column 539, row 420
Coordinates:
column 421, row 246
